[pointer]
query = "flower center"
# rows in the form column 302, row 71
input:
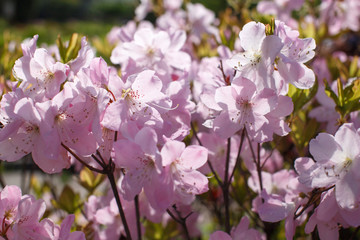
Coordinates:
column 340, row 169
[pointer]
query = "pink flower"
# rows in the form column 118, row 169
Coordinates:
column 141, row 161
column 181, row 164
column 154, row 50
column 241, row 232
column 328, row 217
column 83, row 59
column 104, row 213
column 337, row 162
column 39, row 74
column 217, row 153
column 10, row 197
column 242, row 106
column 282, row 9
column 28, row 133
column 340, row 15
column 26, row 224
column 294, row 53
column 141, row 100
column 274, row 61
column 201, row 20
column 260, row 51
column 143, row 9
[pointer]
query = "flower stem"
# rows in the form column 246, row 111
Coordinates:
column 226, row 186
column 180, row 220
column 110, row 175
column 256, row 160
column 258, row 167
column 80, row 160
column 137, row 210
column 238, row 154
column 108, row 170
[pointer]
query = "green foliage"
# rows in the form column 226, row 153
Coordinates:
column 71, row 51
column 69, row 201
column 347, row 99
column 301, row 96
column 270, row 28
column 10, row 51
column 156, row 231
column 302, row 131
column 90, row 180
column 48, row 31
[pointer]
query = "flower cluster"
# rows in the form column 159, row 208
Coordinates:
column 22, row 218
column 186, row 112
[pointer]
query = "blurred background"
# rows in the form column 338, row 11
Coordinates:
column 48, row 18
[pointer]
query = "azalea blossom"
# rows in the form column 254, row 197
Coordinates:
column 257, row 60
column 242, row 106
column 40, row 75
column 336, row 163
column 241, row 232
column 181, row 164
column 281, row 9
column 340, row 15
column 141, row 161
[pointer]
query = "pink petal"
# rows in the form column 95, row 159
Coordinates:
column 328, row 207
column 220, row 235
column 252, row 35
column 194, row 156
column 17, row 146
column 274, row 210
column 146, row 138
column 351, row 217
column 178, row 40
column 328, row 230
column 144, row 37
column 224, row 97
column 147, row 85
column 271, row 47
column 265, row 101
column 349, row 139
column 161, row 41
column 171, row 151
column 325, row 147
column 347, row 192
column 160, row 192
column 25, row 108
column 178, row 60
column 224, row 126
column 244, row 87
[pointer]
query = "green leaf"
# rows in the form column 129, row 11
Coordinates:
column 68, row 201
column 70, row 52
column 353, row 69
column 157, row 231
column 301, row 96
column 352, row 97
column 302, row 131
column 270, row 28
column 89, row 180
column 223, row 38
column 330, row 93
column 352, row 92
column 343, row 70
column 61, row 47
column 340, row 92
column 74, row 47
